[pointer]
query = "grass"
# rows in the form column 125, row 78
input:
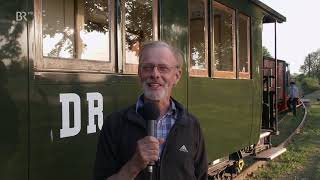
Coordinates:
column 313, row 96
column 287, row 126
column 302, row 159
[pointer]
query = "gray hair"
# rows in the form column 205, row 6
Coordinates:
column 153, row 44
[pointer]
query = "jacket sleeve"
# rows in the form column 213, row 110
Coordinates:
column 201, row 161
column 106, row 162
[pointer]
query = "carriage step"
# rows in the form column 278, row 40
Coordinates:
column 264, row 134
column 271, row 153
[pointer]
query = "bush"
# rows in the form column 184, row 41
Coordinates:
column 309, row 85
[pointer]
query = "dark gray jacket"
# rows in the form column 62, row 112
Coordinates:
column 117, row 144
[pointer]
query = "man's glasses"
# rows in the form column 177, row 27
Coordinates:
column 162, row 68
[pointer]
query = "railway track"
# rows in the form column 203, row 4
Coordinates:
column 260, row 163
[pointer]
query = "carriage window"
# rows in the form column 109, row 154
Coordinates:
column 76, row 29
column 244, row 47
column 58, row 28
column 198, row 42
column 224, row 42
column 94, row 33
column 75, row 35
column 137, row 20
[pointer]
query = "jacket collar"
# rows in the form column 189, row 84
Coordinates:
column 136, row 117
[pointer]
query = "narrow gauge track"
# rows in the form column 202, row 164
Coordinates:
column 258, row 163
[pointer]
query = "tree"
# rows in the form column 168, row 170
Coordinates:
column 266, row 52
column 138, row 21
column 10, row 30
column 309, row 85
column 311, row 65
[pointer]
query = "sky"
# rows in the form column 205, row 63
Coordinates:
column 296, row 37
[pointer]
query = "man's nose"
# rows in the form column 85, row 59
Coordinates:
column 155, row 72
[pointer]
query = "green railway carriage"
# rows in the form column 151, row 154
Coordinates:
column 66, row 64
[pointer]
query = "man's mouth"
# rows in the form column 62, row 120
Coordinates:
column 154, row 85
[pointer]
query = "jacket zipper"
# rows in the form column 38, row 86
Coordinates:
column 173, row 129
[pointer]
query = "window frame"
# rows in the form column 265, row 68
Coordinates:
column 199, row 72
column 224, row 74
column 245, row 75
column 75, row 64
column 124, row 67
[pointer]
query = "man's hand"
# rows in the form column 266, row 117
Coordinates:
column 147, row 151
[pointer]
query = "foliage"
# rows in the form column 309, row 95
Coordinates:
column 306, row 84
column 309, row 85
column 96, row 8
column 311, row 65
column 299, row 77
column 266, row 52
column 138, row 22
column 10, row 30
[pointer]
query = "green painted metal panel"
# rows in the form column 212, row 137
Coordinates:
column 13, row 92
column 52, row 157
column 63, row 157
column 224, row 108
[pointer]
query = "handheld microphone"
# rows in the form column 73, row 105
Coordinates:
column 151, row 113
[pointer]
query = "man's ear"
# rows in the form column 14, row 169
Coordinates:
column 178, row 76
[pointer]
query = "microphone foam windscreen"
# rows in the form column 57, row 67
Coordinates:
column 150, row 111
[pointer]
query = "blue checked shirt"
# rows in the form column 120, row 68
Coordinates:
column 164, row 123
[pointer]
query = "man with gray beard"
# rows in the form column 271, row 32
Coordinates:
column 178, row 150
